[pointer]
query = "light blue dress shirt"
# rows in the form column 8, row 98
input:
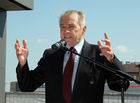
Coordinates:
column 78, row 48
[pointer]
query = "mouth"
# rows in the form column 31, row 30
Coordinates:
column 67, row 37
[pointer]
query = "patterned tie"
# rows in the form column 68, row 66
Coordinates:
column 67, row 77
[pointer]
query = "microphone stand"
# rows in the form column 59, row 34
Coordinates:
column 121, row 74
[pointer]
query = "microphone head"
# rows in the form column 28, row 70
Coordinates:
column 58, row 45
column 55, row 46
column 63, row 42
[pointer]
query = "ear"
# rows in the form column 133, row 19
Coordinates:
column 84, row 30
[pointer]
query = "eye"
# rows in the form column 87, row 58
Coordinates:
column 62, row 26
column 71, row 26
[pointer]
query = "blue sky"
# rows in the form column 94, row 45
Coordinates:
column 40, row 27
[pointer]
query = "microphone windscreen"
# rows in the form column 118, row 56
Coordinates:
column 58, row 45
column 55, row 46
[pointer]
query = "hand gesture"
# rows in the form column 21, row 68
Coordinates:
column 21, row 52
column 106, row 50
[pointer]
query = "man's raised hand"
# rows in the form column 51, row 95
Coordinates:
column 21, row 52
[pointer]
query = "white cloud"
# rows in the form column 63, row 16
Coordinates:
column 41, row 41
column 124, row 49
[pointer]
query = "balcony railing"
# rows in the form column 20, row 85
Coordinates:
column 39, row 97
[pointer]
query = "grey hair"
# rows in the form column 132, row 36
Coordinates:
column 82, row 17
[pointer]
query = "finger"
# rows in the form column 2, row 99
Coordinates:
column 106, row 54
column 99, row 43
column 105, row 48
column 18, row 44
column 18, row 51
column 106, row 37
column 101, row 54
column 25, row 44
column 107, row 42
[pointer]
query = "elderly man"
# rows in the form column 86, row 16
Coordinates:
column 67, row 76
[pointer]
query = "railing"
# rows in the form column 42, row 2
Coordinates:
column 39, row 97
column 25, row 97
column 116, row 98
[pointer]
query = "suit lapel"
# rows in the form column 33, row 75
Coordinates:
column 85, row 51
column 60, row 60
column 59, row 68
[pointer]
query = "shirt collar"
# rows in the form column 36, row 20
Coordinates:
column 78, row 46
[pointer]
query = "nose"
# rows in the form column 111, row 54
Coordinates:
column 67, row 31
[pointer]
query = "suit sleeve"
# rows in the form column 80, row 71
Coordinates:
column 116, row 82
column 30, row 80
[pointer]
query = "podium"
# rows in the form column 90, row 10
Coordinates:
column 8, row 5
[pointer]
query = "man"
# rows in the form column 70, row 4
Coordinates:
column 87, row 79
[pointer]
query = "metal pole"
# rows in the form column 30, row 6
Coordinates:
column 122, row 95
column 2, row 54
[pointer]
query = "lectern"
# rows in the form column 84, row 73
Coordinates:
column 8, row 5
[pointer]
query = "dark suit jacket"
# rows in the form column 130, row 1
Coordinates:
column 89, row 82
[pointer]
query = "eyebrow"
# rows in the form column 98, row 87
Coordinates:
column 66, row 24
column 61, row 24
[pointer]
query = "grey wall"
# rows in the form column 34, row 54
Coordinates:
column 2, row 55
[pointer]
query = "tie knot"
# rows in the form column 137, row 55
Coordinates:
column 72, row 49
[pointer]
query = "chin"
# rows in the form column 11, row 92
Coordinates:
column 69, row 44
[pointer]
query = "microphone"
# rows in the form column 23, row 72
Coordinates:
column 59, row 44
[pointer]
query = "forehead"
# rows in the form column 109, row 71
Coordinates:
column 71, row 18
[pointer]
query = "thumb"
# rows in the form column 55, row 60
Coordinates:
column 99, row 43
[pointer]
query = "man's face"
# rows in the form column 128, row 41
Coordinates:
column 70, row 29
